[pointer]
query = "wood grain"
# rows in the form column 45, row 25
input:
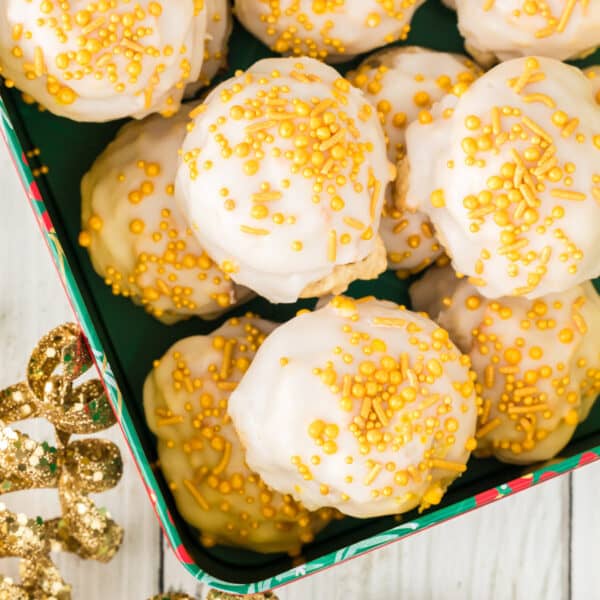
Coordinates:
column 522, row 547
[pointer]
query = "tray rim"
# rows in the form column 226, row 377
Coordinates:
column 149, row 481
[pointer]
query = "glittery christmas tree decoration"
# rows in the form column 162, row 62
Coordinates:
column 75, row 468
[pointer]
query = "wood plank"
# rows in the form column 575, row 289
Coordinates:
column 31, row 303
column 585, row 538
column 516, row 548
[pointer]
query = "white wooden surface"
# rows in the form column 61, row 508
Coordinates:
column 541, row 544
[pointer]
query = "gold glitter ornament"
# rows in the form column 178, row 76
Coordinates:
column 83, row 409
column 75, row 468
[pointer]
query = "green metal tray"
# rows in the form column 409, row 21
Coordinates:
column 125, row 341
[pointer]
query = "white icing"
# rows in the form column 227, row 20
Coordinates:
column 289, row 390
column 311, row 189
column 532, row 240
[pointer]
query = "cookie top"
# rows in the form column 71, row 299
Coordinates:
column 282, row 176
column 185, row 401
column 105, row 60
column 538, row 361
column 326, row 30
column 371, row 409
column 135, row 233
column 505, row 29
column 509, row 174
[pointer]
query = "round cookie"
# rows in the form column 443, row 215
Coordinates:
column 136, row 235
column 371, row 409
column 403, row 83
column 106, row 60
column 593, row 74
column 282, row 176
column 330, row 31
column 509, row 175
column 201, row 456
column 499, row 30
column 538, row 361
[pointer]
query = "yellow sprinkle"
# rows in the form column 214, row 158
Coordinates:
column 175, row 420
column 516, row 410
column 488, row 428
column 95, row 24
column 198, row 497
column 260, row 126
column 543, row 98
column 389, row 321
column 373, row 473
column 254, row 230
column 365, row 408
column 332, row 141
column 447, row 465
column 133, row 45
column 380, row 413
column 226, row 385
column 266, row 196
column 332, row 246
column 489, row 376
column 224, row 460
column 568, row 195
column 355, row 223
column 564, row 18
column 537, row 129
column 526, row 391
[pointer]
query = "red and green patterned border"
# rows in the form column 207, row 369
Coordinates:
column 400, row 531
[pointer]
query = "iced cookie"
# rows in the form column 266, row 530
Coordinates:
column 201, row 456
column 538, row 361
column 98, row 61
column 403, row 83
column 136, row 235
column 283, row 175
column 509, row 174
column 371, row 409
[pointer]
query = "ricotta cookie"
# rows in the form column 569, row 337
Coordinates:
column 98, row 61
column 202, row 459
column 137, row 237
column 538, row 361
column 330, row 31
column 403, row 83
column 370, row 409
column 509, row 174
column 283, row 175
column 498, row 30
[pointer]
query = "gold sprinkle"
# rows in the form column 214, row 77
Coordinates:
column 488, row 428
column 198, row 497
